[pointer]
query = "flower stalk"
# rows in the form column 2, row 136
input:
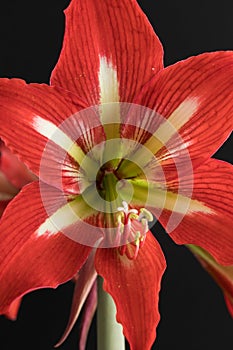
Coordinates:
column 109, row 331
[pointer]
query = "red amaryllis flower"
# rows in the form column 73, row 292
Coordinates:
column 115, row 138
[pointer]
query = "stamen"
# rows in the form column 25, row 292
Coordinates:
column 133, row 211
column 132, row 228
column 144, row 213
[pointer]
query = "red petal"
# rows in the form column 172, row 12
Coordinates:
column 85, row 280
column 206, row 221
column 110, row 36
column 15, row 171
column 38, row 114
column 134, row 286
column 20, row 104
column 88, row 314
column 223, row 275
column 13, row 309
column 229, row 304
column 195, row 96
column 30, row 261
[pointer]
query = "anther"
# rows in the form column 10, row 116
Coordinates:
column 132, row 227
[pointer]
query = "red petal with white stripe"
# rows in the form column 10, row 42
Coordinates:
column 27, row 112
column 134, row 286
column 109, row 49
column 33, row 114
column 28, row 260
column 207, row 220
column 196, row 97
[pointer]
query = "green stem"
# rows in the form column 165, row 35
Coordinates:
column 109, row 331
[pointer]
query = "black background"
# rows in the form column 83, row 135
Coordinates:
column 193, row 313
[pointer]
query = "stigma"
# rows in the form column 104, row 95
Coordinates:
column 132, row 227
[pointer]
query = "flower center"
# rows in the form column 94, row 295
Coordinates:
column 126, row 227
column 105, row 170
column 112, row 180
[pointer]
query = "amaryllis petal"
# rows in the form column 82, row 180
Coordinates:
column 134, row 286
column 206, row 220
column 110, row 50
column 223, row 275
column 48, row 116
column 31, row 259
column 34, row 109
column 192, row 100
column 13, row 309
column 87, row 317
column 83, row 285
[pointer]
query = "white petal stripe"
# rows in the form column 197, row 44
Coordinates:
column 55, row 134
column 109, row 98
column 171, row 126
column 67, row 215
